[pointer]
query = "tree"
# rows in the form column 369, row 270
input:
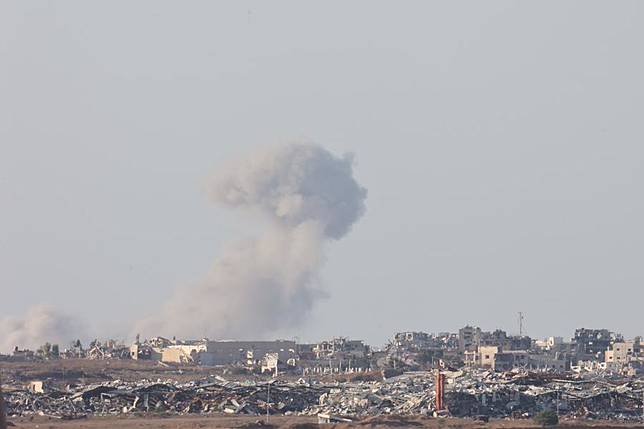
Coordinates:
column 45, row 349
column 547, row 418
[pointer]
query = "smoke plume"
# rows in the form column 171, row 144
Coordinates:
column 261, row 285
column 41, row 324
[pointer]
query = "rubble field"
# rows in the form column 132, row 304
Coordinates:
column 82, row 394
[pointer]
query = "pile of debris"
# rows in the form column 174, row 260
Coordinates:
column 526, row 394
column 168, row 398
column 475, row 393
column 410, row 393
column 472, row 393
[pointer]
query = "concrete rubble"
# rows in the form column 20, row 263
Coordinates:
column 469, row 393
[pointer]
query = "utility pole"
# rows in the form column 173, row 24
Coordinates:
column 268, row 403
column 557, row 401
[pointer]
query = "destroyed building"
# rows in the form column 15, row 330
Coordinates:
column 335, row 355
column 109, row 349
column 550, row 343
column 305, row 351
column 341, row 347
column 414, row 340
column 416, row 350
column 592, row 343
column 468, row 338
column 472, row 337
column 498, row 359
column 22, row 355
column 447, row 340
column 624, row 352
column 212, row 353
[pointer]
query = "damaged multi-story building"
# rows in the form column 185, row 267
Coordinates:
column 498, row 359
column 625, row 351
column 626, row 357
column 470, row 338
column 592, row 344
column 414, row 340
column 212, row 353
column 409, row 349
column 341, row 347
column 335, row 355
column 496, row 349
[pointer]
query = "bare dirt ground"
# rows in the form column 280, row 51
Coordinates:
column 281, row 422
column 86, row 371
column 91, row 371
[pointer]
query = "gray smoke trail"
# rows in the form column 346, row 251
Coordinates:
column 262, row 285
column 41, row 324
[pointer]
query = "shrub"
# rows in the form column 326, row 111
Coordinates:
column 547, row 418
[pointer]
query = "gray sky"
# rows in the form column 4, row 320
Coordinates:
column 501, row 144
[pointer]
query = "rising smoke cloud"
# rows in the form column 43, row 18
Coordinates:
column 41, row 324
column 265, row 284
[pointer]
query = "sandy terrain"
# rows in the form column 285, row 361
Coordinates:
column 221, row 422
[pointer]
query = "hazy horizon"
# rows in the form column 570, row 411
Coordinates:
column 500, row 143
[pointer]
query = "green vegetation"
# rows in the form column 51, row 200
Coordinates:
column 547, row 418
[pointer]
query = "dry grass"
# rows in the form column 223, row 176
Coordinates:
column 93, row 371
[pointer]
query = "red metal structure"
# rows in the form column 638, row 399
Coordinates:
column 440, row 391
